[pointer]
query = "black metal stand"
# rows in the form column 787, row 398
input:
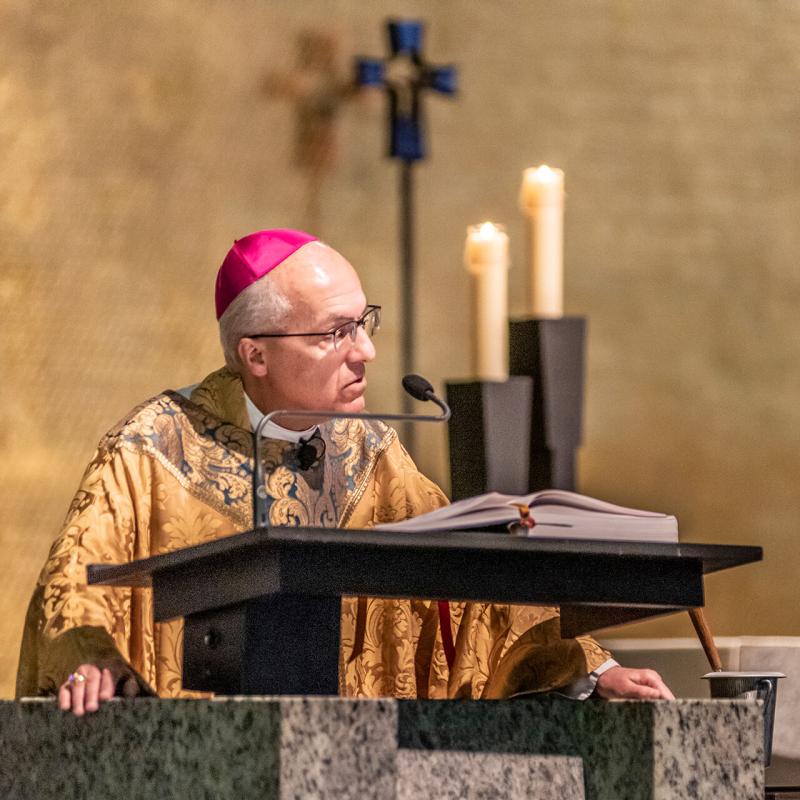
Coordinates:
column 407, row 289
column 232, row 650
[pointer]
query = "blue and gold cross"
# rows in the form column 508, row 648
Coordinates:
column 404, row 75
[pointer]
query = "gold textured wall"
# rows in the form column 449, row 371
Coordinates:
column 136, row 141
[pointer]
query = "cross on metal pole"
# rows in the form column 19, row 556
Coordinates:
column 403, row 75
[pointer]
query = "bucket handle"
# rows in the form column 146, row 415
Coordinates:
column 767, row 684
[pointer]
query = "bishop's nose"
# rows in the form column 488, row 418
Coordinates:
column 363, row 348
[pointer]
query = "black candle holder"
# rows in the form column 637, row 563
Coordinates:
column 489, row 436
column 551, row 352
column 521, row 435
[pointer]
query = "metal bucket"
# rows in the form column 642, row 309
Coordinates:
column 749, row 686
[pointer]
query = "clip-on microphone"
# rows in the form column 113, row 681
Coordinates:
column 415, row 385
column 310, row 451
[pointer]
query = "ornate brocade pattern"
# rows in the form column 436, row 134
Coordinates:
column 208, row 457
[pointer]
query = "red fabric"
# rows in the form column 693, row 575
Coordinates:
column 447, row 633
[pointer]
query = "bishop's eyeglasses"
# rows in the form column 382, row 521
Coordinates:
column 370, row 321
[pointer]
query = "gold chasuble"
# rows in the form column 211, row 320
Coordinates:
column 177, row 472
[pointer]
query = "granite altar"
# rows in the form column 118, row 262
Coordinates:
column 282, row 747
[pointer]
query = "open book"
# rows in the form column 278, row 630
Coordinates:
column 557, row 514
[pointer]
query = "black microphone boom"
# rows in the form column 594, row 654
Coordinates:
column 415, row 385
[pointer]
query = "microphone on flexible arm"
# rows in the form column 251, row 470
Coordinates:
column 415, row 385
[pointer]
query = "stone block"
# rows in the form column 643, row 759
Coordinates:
column 631, row 750
column 445, row 774
column 332, row 748
column 681, row 663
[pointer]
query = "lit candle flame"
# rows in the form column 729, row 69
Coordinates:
column 544, row 173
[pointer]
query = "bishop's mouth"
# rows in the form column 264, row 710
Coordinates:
column 361, row 380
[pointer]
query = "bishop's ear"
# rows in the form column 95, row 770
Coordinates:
column 252, row 357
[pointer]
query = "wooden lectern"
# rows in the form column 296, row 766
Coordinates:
column 261, row 608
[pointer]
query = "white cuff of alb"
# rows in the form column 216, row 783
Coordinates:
column 584, row 686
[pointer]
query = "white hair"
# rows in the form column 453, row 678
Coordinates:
column 261, row 308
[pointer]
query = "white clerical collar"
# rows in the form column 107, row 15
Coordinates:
column 272, row 430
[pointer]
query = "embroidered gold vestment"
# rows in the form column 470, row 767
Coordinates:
column 177, row 472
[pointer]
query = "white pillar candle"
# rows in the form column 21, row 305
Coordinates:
column 542, row 201
column 486, row 259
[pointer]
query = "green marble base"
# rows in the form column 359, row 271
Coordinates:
column 334, row 748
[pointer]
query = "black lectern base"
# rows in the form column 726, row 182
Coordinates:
column 256, row 647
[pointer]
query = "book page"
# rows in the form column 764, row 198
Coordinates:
column 567, row 512
column 560, row 497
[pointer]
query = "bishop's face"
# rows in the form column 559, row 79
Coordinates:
column 312, row 372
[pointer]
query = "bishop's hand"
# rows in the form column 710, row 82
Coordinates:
column 621, row 683
column 92, row 684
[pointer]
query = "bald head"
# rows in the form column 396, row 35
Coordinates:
column 314, row 280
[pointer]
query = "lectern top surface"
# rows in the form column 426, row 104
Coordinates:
column 712, row 557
